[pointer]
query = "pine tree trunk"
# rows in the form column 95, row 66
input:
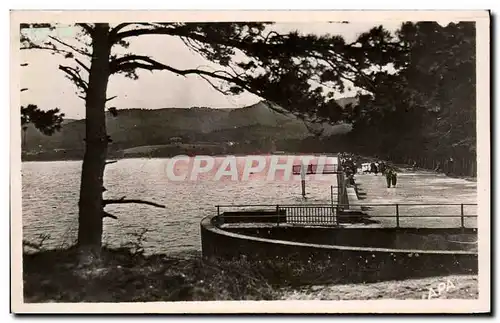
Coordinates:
column 96, row 144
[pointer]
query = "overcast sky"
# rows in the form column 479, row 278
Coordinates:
column 48, row 88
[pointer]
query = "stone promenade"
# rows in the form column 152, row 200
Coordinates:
column 417, row 187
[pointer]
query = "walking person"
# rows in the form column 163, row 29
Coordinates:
column 450, row 168
column 391, row 177
column 394, row 177
column 388, row 177
column 438, row 167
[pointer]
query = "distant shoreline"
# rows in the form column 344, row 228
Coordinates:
column 167, row 157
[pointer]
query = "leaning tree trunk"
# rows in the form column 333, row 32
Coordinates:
column 96, row 144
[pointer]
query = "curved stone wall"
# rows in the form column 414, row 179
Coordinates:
column 351, row 263
column 422, row 239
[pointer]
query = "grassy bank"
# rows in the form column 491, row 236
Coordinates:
column 120, row 276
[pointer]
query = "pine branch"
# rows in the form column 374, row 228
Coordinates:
column 306, row 121
column 52, row 48
column 85, row 67
column 355, row 69
column 135, row 201
column 116, row 29
column 215, row 87
column 187, row 32
column 78, row 50
column 108, row 215
column 88, row 28
column 183, row 31
column 325, row 51
column 74, row 75
column 192, row 45
column 132, row 62
column 272, row 32
column 151, row 31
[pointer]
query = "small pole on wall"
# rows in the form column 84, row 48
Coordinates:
column 303, row 180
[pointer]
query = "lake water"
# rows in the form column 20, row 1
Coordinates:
column 50, row 192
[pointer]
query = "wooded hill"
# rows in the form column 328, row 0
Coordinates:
column 253, row 126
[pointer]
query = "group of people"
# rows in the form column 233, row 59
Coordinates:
column 375, row 167
column 351, row 163
column 389, row 171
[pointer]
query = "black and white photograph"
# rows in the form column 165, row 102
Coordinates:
column 197, row 162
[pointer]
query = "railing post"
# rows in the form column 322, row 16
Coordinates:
column 334, row 216
column 462, row 216
column 278, row 215
column 220, row 219
column 397, row 216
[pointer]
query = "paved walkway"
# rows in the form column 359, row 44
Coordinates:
column 418, row 187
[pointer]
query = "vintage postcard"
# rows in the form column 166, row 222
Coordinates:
column 250, row 162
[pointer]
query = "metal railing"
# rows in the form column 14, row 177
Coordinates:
column 332, row 214
column 315, row 169
column 413, row 211
column 296, row 214
column 310, row 214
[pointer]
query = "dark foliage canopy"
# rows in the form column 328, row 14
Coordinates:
column 47, row 122
column 429, row 106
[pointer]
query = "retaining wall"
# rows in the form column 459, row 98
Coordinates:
column 345, row 262
column 393, row 238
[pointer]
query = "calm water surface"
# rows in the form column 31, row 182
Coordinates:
column 50, row 193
